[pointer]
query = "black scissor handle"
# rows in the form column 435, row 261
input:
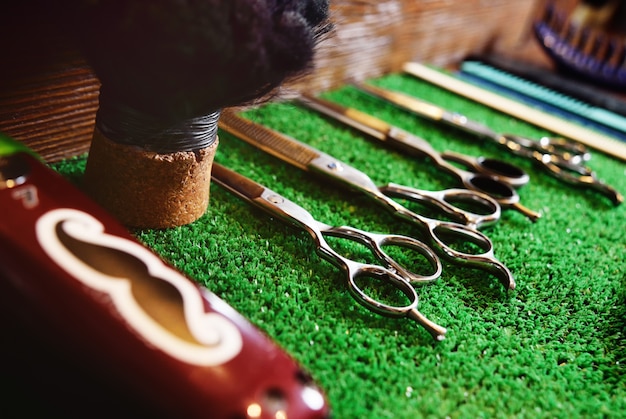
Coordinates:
column 498, row 169
column 501, row 191
column 488, row 183
column 445, row 235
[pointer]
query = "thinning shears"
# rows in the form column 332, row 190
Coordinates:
column 391, row 271
column 562, row 158
column 492, row 177
column 441, row 234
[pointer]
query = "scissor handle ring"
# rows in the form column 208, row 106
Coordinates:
column 376, row 241
column 357, row 270
column 495, row 168
column 570, row 151
column 475, row 198
column 564, row 169
column 439, row 229
column 501, row 191
column 411, row 243
column 485, row 260
column 445, row 201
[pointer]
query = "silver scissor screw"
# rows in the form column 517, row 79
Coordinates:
column 459, row 118
column 275, row 199
column 335, row 167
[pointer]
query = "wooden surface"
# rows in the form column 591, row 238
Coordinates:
column 49, row 95
column 377, row 37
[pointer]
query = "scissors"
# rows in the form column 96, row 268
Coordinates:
column 392, row 272
column 492, row 177
column 562, row 158
column 309, row 159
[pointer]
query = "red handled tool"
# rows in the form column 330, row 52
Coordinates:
column 73, row 275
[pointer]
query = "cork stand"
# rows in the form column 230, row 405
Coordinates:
column 145, row 189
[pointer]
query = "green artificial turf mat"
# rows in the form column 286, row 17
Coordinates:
column 554, row 347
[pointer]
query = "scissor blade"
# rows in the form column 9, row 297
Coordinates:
column 270, row 141
column 265, row 198
column 356, row 119
column 296, row 153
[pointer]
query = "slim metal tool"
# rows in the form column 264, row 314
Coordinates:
column 562, row 158
column 604, row 143
column 391, row 271
column 492, row 177
column 441, row 235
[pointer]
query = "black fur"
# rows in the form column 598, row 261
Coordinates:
column 178, row 59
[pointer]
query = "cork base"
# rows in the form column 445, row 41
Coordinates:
column 145, row 189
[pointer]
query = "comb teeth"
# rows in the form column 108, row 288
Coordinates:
column 589, row 52
column 268, row 140
column 544, row 95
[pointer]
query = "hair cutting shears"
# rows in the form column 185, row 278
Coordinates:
column 492, row 177
column 440, row 234
column 562, row 158
column 392, row 272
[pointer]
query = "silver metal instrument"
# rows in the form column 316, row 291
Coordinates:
column 562, row 158
column 441, row 235
column 495, row 178
column 390, row 272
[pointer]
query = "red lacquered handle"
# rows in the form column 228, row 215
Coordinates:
column 81, row 280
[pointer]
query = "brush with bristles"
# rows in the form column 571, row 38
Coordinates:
column 589, row 42
column 166, row 69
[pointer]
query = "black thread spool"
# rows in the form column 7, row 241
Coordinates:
column 166, row 69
